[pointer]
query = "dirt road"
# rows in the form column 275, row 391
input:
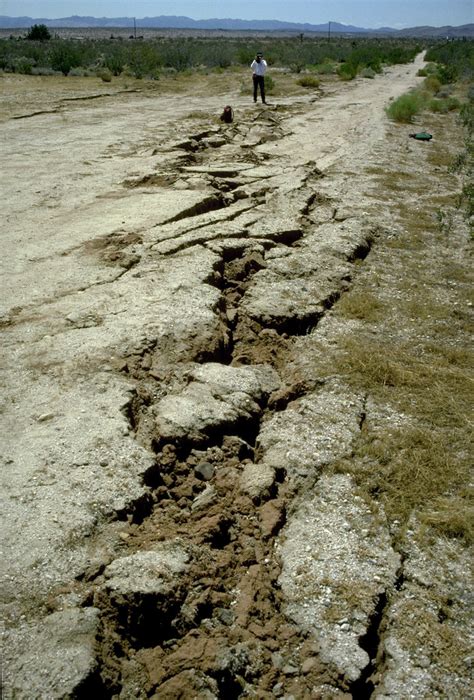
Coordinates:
column 157, row 268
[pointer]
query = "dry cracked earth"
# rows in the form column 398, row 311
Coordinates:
column 172, row 525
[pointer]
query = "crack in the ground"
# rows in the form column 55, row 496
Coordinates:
column 224, row 619
column 363, row 688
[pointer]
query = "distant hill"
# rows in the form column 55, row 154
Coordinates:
column 465, row 30
column 272, row 25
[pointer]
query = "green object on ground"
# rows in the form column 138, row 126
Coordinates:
column 422, row 136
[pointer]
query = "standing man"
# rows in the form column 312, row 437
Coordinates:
column 259, row 66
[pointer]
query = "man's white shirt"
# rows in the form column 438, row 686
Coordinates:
column 259, row 68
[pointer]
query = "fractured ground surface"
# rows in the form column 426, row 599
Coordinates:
column 173, row 528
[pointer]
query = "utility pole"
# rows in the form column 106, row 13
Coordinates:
column 329, row 32
column 135, row 27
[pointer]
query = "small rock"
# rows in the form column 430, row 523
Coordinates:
column 257, row 479
column 289, row 670
column 277, row 660
column 44, row 417
column 225, row 616
column 205, row 471
column 308, row 665
column 205, row 498
column 277, row 690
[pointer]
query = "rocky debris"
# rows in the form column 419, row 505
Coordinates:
column 143, row 591
column 298, row 285
column 217, row 397
column 257, row 480
column 188, row 684
column 312, row 431
column 146, row 572
column 205, row 498
column 337, row 563
column 204, row 470
column 55, row 657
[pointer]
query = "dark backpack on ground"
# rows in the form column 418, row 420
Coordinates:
column 227, row 115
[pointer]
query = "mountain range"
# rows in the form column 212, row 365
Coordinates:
column 176, row 22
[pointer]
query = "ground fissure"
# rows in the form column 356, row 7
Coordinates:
column 250, row 551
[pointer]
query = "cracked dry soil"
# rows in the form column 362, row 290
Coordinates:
column 174, row 525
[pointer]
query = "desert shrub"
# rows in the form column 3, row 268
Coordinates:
column 297, row 67
column 444, row 91
column 115, row 60
column 325, row 68
column 308, row 81
column 178, row 56
column 105, row 75
column 146, row 58
column 464, row 164
column 23, row 65
column 43, row 70
column 270, row 85
column 430, row 68
column 454, row 59
column 38, row 32
column 448, row 74
column 432, row 84
column 443, row 106
column 347, row 71
column 467, row 115
column 65, row 56
column 368, row 73
column 78, row 72
column 405, row 107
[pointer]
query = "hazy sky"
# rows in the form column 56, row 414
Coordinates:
column 362, row 13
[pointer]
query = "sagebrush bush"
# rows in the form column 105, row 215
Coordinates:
column 443, row 106
column 308, row 81
column 432, row 84
column 325, row 68
column 105, row 75
column 368, row 73
column 23, row 65
column 347, row 71
column 405, row 107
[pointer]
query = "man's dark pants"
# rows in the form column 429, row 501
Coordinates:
column 258, row 81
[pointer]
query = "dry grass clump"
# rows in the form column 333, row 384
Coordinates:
column 417, row 469
column 361, row 305
column 423, row 466
column 308, row 81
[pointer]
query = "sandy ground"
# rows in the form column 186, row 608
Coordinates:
column 110, row 210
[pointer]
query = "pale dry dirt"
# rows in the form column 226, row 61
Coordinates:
column 168, row 530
